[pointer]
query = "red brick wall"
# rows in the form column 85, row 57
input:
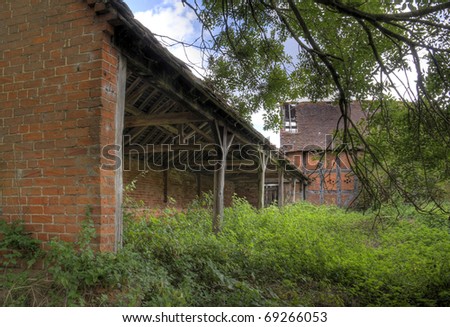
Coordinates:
column 182, row 187
column 57, row 104
column 248, row 190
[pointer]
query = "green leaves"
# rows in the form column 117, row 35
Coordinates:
column 16, row 245
column 303, row 255
column 267, row 52
column 412, row 153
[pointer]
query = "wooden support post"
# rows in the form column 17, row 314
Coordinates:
column 199, row 185
column 263, row 159
column 218, row 205
column 225, row 139
column 338, row 181
column 166, row 186
column 119, row 122
column 280, row 187
column 322, row 183
column 304, row 185
column 181, row 134
column 294, row 189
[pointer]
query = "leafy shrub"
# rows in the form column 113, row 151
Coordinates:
column 19, row 252
column 16, row 245
column 301, row 255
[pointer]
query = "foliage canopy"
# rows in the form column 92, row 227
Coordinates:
column 393, row 53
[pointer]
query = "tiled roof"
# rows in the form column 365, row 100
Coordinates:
column 149, row 59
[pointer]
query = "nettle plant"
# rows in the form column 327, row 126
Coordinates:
column 17, row 246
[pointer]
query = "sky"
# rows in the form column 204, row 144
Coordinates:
column 171, row 18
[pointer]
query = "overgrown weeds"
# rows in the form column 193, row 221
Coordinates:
column 303, row 255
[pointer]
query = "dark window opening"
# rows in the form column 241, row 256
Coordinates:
column 290, row 120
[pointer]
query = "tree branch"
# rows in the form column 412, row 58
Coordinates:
column 352, row 11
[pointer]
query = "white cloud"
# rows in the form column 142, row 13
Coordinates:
column 258, row 123
column 172, row 19
column 178, row 22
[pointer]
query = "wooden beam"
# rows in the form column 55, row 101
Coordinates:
column 263, row 159
column 240, row 172
column 165, row 186
column 229, row 170
column 133, row 134
column 133, row 85
column 241, row 163
column 150, row 137
column 174, row 86
column 181, row 134
column 294, row 189
column 225, row 139
column 161, row 102
column 280, row 187
column 136, row 94
column 133, row 110
column 161, row 148
column 118, row 177
column 189, row 136
column 199, row 185
column 172, row 118
column 167, row 129
column 202, row 133
column 147, row 100
column 303, row 191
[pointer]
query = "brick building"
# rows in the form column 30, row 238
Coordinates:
column 307, row 139
column 88, row 100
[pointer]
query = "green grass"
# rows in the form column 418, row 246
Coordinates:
column 302, row 255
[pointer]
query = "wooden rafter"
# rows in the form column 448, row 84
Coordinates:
column 134, row 84
column 136, row 111
column 136, row 94
column 163, row 148
column 167, row 129
column 147, row 100
column 150, row 136
column 132, row 110
column 202, row 133
column 172, row 118
column 161, row 101
column 134, row 133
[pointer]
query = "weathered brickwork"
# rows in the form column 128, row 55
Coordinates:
column 332, row 180
column 57, row 99
column 247, row 189
column 182, row 187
